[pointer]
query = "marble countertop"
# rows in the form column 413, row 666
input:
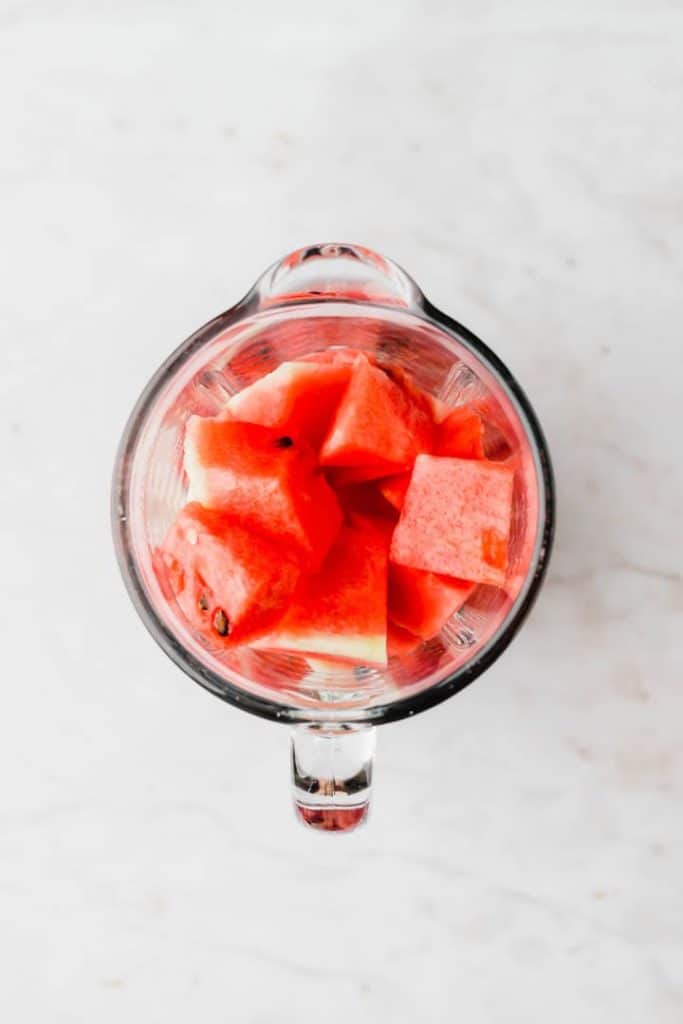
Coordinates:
column 525, row 163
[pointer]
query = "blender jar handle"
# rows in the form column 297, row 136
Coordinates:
column 332, row 774
column 336, row 270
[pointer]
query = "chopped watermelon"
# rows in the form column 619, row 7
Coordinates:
column 295, row 491
column 341, row 612
column 400, row 642
column 299, row 399
column 264, row 478
column 394, row 488
column 422, row 602
column 456, row 519
column 461, row 434
column 231, row 583
column 377, row 425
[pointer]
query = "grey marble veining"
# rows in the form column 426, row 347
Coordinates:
column 525, row 163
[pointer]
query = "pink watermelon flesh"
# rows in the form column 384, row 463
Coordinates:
column 299, row 399
column 341, row 612
column 461, row 434
column 263, row 478
column 231, row 583
column 456, row 519
column 377, row 425
column 422, row 602
column 276, row 558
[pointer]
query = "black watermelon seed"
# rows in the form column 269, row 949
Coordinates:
column 284, row 442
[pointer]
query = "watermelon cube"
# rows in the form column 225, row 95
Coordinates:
column 422, row 602
column 265, row 479
column 341, row 612
column 377, row 425
column 456, row 519
column 461, row 434
column 298, row 399
column 230, row 582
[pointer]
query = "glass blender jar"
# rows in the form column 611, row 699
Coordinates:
column 325, row 296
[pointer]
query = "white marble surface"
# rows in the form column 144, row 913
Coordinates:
column 525, row 161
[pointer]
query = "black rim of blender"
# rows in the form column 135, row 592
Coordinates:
column 262, row 706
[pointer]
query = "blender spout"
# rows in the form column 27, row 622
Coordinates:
column 335, row 270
